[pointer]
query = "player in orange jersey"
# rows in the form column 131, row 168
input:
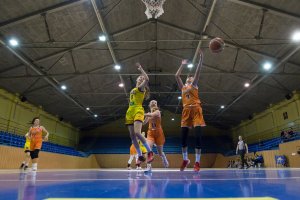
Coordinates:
column 191, row 114
column 36, row 139
column 155, row 134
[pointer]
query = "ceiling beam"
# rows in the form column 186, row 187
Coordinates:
column 131, row 28
column 111, row 50
column 270, row 9
column 97, row 69
column 27, row 61
column 211, row 10
column 50, row 9
column 257, row 81
column 225, row 73
column 77, row 47
column 228, row 43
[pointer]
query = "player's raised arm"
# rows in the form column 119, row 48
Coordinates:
column 178, row 73
column 144, row 74
column 197, row 73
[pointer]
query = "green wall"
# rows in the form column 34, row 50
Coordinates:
column 15, row 117
column 269, row 123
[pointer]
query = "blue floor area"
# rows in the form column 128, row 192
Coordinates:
column 276, row 183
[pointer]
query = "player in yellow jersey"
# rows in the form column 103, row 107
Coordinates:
column 135, row 114
column 25, row 163
column 133, row 154
column 191, row 114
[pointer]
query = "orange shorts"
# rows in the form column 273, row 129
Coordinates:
column 35, row 143
column 157, row 136
column 132, row 150
column 192, row 116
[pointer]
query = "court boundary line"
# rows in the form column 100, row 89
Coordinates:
column 158, row 179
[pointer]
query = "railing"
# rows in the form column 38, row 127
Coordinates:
column 11, row 139
column 20, row 129
column 268, row 134
column 112, row 145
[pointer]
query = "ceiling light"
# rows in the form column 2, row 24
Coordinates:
column 87, row 108
column 296, row 36
column 102, row 38
column 95, row 115
column 172, row 119
column 63, row 87
column 121, row 85
column 267, row 66
column 204, row 36
column 117, row 67
column 13, row 42
column 222, row 106
column 179, row 97
column 247, row 85
column 190, row 65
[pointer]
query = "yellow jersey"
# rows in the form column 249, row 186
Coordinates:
column 27, row 144
column 136, row 97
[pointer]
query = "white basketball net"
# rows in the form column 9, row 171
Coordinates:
column 154, row 8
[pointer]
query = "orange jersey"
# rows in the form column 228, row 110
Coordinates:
column 190, row 95
column 36, row 132
column 155, row 132
column 155, row 123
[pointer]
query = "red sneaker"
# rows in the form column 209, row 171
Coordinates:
column 140, row 160
column 150, row 157
column 197, row 167
column 184, row 164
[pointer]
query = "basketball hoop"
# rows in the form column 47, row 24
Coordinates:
column 154, row 8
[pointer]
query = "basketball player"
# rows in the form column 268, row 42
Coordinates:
column 133, row 154
column 135, row 114
column 155, row 134
column 191, row 113
column 27, row 152
column 36, row 140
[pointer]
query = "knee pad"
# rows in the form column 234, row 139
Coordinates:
column 184, row 136
column 34, row 154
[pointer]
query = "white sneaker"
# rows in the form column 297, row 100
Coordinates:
column 149, row 168
column 139, row 168
column 166, row 163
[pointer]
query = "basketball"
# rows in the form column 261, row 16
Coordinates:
column 216, row 45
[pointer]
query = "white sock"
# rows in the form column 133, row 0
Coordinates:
column 164, row 159
column 198, row 156
column 185, row 155
column 34, row 166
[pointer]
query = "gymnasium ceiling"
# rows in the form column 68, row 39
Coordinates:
column 59, row 45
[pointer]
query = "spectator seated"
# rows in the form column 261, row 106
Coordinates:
column 258, row 160
column 281, row 161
